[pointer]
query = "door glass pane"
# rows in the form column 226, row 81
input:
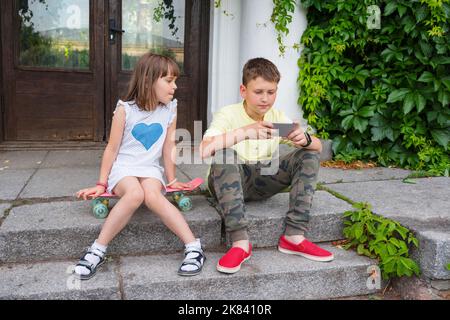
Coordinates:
column 54, row 33
column 152, row 25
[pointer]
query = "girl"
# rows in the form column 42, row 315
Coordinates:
column 142, row 131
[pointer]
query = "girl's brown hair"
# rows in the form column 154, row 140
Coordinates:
column 148, row 70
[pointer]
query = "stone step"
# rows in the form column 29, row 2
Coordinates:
column 57, row 230
column 269, row 274
column 433, row 254
column 421, row 206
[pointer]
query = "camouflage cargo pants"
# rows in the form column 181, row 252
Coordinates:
column 232, row 184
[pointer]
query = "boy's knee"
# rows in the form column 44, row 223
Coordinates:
column 308, row 156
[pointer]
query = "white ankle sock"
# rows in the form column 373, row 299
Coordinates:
column 97, row 249
column 197, row 245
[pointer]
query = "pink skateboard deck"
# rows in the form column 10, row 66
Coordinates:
column 194, row 185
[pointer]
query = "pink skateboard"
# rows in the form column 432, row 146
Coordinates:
column 100, row 205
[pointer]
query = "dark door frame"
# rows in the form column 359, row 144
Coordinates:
column 4, row 38
column 2, row 104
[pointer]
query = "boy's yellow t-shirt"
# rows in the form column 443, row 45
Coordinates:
column 234, row 117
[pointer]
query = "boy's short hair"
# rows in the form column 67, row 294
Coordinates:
column 260, row 67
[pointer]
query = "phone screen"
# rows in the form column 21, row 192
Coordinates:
column 284, row 129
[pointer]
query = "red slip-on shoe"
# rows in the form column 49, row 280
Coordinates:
column 231, row 262
column 305, row 249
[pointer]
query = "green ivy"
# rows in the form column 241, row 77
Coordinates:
column 380, row 238
column 379, row 94
column 165, row 9
column 281, row 18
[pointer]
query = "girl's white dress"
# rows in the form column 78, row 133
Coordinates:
column 142, row 142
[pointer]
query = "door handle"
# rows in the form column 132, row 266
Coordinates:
column 116, row 30
column 113, row 30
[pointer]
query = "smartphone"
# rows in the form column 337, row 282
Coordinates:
column 284, row 129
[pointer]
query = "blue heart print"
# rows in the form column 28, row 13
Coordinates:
column 147, row 134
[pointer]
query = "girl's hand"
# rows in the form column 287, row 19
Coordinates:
column 91, row 192
column 181, row 185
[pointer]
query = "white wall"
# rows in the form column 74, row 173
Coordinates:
column 250, row 34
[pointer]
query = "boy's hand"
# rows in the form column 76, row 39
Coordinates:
column 259, row 130
column 297, row 136
column 91, row 192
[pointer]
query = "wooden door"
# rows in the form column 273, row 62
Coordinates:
column 184, row 38
column 53, row 69
column 62, row 73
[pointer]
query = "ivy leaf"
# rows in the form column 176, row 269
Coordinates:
column 358, row 230
column 426, row 77
column 421, row 13
column 366, row 112
column 446, row 82
column 426, row 48
column 441, row 60
column 443, row 97
column 360, row 124
column 408, row 103
column 346, row 112
column 397, row 95
column 420, row 102
column 391, row 6
column 401, row 10
column 441, row 136
column 391, row 249
column 347, row 122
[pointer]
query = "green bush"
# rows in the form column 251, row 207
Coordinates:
column 379, row 94
column 384, row 239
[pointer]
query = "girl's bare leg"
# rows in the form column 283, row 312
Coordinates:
column 131, row 197
column 168, row 213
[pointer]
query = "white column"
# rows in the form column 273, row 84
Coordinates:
column 249, row 33
column 224, row 66
column 259, row 40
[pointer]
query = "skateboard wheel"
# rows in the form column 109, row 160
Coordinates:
column 100, row 210
column 184, row 203
column 97, row 201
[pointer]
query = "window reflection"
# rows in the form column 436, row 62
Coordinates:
column 152, row 25
column 54, row 33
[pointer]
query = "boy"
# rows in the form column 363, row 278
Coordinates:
column 243, row 134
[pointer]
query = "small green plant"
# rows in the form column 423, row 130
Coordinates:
column 448, row 266
column 380, row 238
